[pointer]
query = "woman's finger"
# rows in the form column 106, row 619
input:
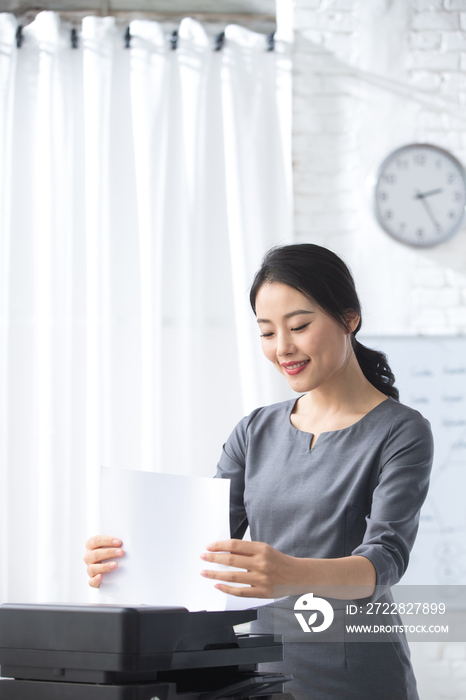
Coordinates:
column 229, row 576
column 227, row 559
column 103, row 541
column 242, row 547
column 95, row 556
column 95, row 581
column 100, row 551
column 238, row 591
column 95, row 569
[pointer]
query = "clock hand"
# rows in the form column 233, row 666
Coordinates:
column 422, row 195
column 429, row 211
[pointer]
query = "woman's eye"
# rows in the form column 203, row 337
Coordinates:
column 300, row 328
column 266, row 335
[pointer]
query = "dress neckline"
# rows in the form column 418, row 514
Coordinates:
column 309, row 436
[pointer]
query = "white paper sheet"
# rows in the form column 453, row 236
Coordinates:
column 165, row 522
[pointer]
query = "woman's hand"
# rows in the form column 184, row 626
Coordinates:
column 265, row 566
column 345, row 578
column 99, row 551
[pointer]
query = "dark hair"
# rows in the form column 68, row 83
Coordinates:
column 322, row 276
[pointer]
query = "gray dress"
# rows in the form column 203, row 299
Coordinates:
column 358, row 491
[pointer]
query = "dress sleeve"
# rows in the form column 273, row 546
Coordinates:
column 232, row 465
column 401, row 489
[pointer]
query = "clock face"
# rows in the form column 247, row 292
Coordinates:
column 420, row 195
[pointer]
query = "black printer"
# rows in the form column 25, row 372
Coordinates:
column 113, row 652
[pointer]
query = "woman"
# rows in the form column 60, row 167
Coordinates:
column 331, row 483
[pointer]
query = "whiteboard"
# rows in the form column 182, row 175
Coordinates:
column 430, row 374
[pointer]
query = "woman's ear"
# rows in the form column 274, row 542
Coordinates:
column 352, row 319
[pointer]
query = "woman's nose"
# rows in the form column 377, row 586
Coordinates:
column 284, row 344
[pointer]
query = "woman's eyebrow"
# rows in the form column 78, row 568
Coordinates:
column 292, row 313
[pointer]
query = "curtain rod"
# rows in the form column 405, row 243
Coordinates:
column 219, row 40
column 259, row 23
column 124, row 16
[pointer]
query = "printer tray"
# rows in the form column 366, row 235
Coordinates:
column 252, row 687
column 120, row 645
column 113, row 652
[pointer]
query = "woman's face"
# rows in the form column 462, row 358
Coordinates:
column 304, row 343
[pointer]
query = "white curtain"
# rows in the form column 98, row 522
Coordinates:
column 139, row 189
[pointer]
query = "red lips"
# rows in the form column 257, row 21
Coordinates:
column 296, row 369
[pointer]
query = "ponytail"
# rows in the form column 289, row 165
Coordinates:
column 375, row 367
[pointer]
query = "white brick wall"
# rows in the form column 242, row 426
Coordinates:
column 370, row 76
column 436, row 20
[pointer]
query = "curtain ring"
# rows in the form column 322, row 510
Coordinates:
column 219, row 41
column 74, row 38
column 19, row 36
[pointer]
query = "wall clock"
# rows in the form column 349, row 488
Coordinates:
column 420, row 195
